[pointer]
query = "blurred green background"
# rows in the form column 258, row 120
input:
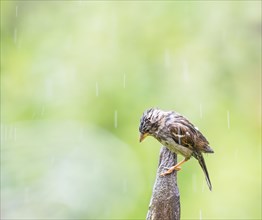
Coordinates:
column 76, row 77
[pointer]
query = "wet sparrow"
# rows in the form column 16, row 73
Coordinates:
column 176, row 133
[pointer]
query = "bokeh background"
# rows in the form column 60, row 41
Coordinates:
column 76, row 77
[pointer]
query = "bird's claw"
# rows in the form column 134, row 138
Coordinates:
column 164, row 174
column 178, row 168
column 170, row 170
column 173, row 168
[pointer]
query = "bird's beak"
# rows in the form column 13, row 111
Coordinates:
column 143, row 136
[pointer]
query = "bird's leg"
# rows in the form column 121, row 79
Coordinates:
column 176, row 167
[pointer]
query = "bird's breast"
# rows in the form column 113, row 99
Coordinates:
column 176, row 148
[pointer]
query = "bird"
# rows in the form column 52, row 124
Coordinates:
column 178, row 134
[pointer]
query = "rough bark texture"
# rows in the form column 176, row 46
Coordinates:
column 165, row 200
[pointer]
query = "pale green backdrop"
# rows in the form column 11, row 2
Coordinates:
column 76, row 77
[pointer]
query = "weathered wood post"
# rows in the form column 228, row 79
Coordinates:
column 165, row 200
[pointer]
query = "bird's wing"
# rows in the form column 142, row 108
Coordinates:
column 186, row 134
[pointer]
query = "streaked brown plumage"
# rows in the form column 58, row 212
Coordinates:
column 176, row 133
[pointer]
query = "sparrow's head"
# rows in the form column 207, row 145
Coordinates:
column 150, row 122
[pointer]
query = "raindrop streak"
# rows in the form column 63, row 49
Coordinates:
column 10, row 133
column 203, row 185
column 200, row 110
column 15, row 35
column 26, row 197
column 15, row 134
column 34, row 115
column 5, row 131
column 124, row 81
column 224, row 35
column 228, row 120
column 194, row 182
column 115, row 119
column 2, row 133
column 236, row 154
column 124, row 186
column 53, row 159
column 16, row 11
column 97, row 90
column 167, row 59
column 200, row 214
column 49, row 88
column 42, row 111
column 81, row 134
column 185, row 71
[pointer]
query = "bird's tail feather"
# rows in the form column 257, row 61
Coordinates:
column 202, row 163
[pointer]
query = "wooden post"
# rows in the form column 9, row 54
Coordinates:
column 165, row 200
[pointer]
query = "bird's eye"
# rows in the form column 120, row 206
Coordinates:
column 147, row 130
